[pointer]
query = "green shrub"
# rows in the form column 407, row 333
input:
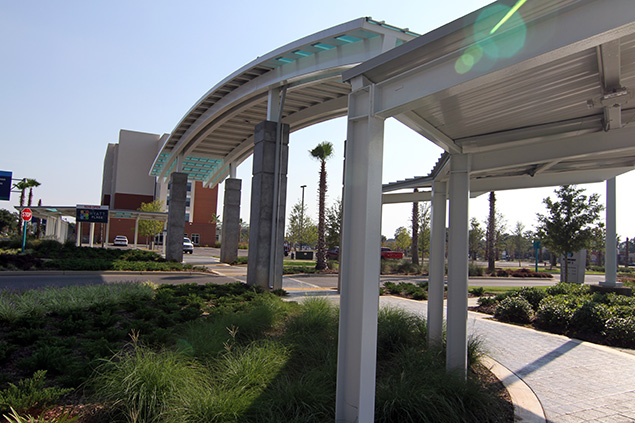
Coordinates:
column 555, row 312
column 475, row 270
column 589, row 318
column 240, row 260
column 487, row 301
column 514, row 309
column 30, row 393
column 562, row 288
column 620, row 331
column 477, row 291
column 533, row 295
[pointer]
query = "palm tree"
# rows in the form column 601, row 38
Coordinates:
column 23, row 185
column 322, row 152
column 32, row 183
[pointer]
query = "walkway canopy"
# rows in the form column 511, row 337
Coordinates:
column 218, row 130
column 519, row 94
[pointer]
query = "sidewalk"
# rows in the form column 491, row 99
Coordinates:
column 574, row 381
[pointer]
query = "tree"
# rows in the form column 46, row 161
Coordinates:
column 424, row 228
column 402, row 238
column 32, row 183
column 301, row 230
column 322, row 152
column 598, row 242
column 475, row 238
column 415, row 232
column 519, row 242
column 244, row 231
column 568, row 226
column 9, row 222
column 334, row 225
column 22, row 186
column 491, row 234
column 150, row 228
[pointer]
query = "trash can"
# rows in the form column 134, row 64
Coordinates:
column 304, row 255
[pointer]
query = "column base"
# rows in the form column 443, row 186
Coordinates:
column 603, row 287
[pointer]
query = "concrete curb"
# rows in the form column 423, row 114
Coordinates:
column 527, row 406
column 95, row 272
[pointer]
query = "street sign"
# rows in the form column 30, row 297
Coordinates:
column 94, row 214
column 5, row 185
column 26, row 214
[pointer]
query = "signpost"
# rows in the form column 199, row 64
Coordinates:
column 5, row 185
column 536, row 248
column 26, row 215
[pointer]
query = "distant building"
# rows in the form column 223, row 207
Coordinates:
column 126, row 184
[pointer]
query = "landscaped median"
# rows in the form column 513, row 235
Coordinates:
column 51, row 255
column 214, row 353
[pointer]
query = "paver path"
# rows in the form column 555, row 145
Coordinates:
column 575, row 381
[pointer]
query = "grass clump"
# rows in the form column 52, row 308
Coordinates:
column 29, row 394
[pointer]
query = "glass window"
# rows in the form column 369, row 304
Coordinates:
column 195, row 238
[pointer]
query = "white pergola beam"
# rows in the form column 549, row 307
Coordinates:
column 587, row 145
column 574, row 28
column 406, row 197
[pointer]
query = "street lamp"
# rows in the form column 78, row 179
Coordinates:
column 302, row 215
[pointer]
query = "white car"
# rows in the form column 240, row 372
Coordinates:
column 188, row 247
column 120, row 240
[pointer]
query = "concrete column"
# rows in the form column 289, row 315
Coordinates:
column 231, row 221
column 360, row 261
column 610, row 265
column 264, row 267
column 456, row 358
column 437, row 265
column 176, row 217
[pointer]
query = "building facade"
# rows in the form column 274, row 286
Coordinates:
column 126, row 184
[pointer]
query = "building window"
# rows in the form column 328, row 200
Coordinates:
column 187, row 217
column 196, row 239
column 189, row 186
column 187, row 202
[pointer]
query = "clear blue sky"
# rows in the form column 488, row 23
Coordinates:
column 76, row 72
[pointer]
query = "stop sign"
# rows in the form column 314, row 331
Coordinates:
column 26, row 214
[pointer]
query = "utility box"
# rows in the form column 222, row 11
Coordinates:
column 304, row 255
column 576, row 267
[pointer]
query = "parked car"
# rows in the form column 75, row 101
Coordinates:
column 188, row 247
column 387, row 253
column 333, row 254
column 120, row 240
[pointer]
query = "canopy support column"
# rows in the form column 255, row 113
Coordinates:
column 437, row 265
column 610, row 265
column 456, row 358
column 231, row 221
column 360, row 260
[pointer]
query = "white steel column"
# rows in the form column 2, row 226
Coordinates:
column 78, row 234
column 136, row 231
column 456, row 358
column 107, row 232
column 91, row 233
column 360, row 260
column 610, row 265
column 436, row 267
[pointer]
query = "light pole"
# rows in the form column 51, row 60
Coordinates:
column 302, row 215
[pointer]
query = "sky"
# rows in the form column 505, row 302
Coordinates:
column 74, row 73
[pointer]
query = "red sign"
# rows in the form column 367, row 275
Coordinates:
column 26, row 214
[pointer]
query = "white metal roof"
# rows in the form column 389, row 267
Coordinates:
column 218, row 129
column 554, row 106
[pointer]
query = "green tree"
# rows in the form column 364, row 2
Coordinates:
column 322, row 152
column 301, row 230
column 519, row 242
column 150, row 228
column 334, row 224
column 598, row 242
column 402, row 238
column 32, row 183
column 475, row 238
column 9, row 222
column 568, row 226
column 424, row 229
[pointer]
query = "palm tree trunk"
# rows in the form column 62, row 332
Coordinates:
column 321, row 246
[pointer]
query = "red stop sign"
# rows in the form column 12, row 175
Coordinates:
column 27, row 214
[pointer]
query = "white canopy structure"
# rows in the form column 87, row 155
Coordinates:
column 518, row 94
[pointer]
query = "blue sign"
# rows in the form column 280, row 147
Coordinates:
column 93, row 214
column 5, row 185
